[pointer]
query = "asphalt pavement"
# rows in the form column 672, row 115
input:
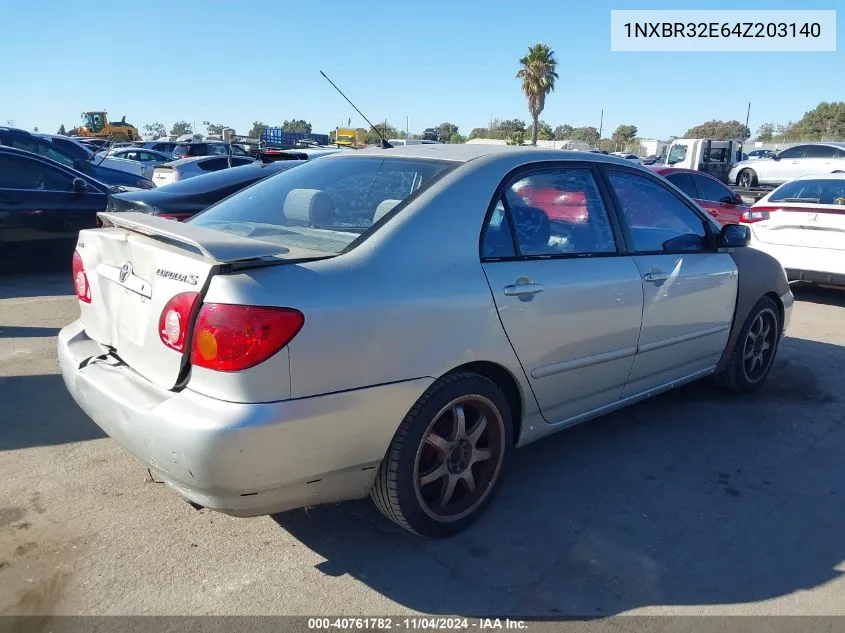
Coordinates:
column 697, row 501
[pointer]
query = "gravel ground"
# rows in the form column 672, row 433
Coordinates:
column 693, row 502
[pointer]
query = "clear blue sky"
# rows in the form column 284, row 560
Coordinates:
column 431, row 61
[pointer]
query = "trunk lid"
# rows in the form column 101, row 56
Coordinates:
column 135, row 265
column 795, row 224
column 163, row 175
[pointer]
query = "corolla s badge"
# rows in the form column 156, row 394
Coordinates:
column 169, row 274
column 125, row 271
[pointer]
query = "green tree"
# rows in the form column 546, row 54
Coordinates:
column 719, row 130
column 257, row 130
column 503, row 129
column 545, row 132
column 156, row 130
column 447, row 130
column 765, row 132
column 623, row 135
column 479, row 132
column 563, row 132
column 589, row 135
column 297, row 125
column 181, row 127
column 35, row 129
column 387, row 130
column 538, row 74
column 825, row 121
column 516, row 138
column 457, row 139
column 62, row 130
column 214, row 128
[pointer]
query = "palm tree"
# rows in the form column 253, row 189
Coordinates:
column 538, row 79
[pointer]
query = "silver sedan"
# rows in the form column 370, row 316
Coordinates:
column 394, row 322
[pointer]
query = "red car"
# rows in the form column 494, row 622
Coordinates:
column 709, row 192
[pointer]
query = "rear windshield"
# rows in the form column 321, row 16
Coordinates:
column 181, row 150
column 822, row 191
column 322, row 205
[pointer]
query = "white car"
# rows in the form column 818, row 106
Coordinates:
column 146, row 158
column 800, row 160
column 802, row 225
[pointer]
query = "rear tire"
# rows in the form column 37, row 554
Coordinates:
column 754, row 350
column 447, row 458
column 747, row 178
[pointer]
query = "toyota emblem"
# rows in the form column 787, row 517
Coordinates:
column 125, row 271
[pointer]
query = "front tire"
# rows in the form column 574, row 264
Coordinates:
column 446, row 460
column 747, row 178
column 754, row 350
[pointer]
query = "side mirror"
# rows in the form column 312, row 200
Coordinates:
column 79, row 185
column 734, row 236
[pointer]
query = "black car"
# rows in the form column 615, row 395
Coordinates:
column 207, row 148
column 185, row 198
column 69, row 153
column 43, row 206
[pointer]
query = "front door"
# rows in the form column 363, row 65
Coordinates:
column 689, row 289
column 570, row 304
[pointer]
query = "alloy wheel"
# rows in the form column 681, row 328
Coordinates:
column 759, row 347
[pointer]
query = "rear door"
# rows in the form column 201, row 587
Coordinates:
column 689, row 289
column 570, row 303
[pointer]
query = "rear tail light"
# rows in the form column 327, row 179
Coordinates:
column 80, row 279
column 235, row 337
column 752, row 215
column 175, row 319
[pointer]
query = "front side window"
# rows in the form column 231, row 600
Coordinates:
column 713, row 190
column 559, row 212
column 798, row 151
column 322, row 205
column 658, row 220
column 677, row 154
column 17, row 172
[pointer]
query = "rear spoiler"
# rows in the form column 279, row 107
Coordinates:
column 215, row 245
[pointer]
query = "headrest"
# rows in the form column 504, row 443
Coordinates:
column 309, row 206
column 383, row 208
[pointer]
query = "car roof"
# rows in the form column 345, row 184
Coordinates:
column 465, row 152
column 833, row 176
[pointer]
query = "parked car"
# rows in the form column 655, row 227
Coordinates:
column 338, row 330
column 802, row 225
column 145, row 159
column 165, row 147
column 184, row 168
column 719, row 201
column 184, row 199
column 791, row 163
column 760, row 153
column 207, row 148
column 631, row 157
column 43, row 206
column 68, row 152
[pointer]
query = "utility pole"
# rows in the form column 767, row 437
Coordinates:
column 407, row 127
column 601, row 123
column 747, row 114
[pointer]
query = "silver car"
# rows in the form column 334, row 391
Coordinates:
column 791, row 163
column 394, row 322
column 184, row 168
column 147, row 158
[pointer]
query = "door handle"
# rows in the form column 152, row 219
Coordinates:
column 518, row 290
column 656, row 278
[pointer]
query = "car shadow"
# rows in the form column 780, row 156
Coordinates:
column 20, row 286
column 819, row 294
column 39, row 411
column 27, row 331
column 695, row 497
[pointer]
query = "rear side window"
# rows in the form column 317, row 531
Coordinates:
column 819, row 151
column 183, row 150
column 559, row 212
column 322, row 205
column 658, row 220
column 684, row 183
column 794, row 152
